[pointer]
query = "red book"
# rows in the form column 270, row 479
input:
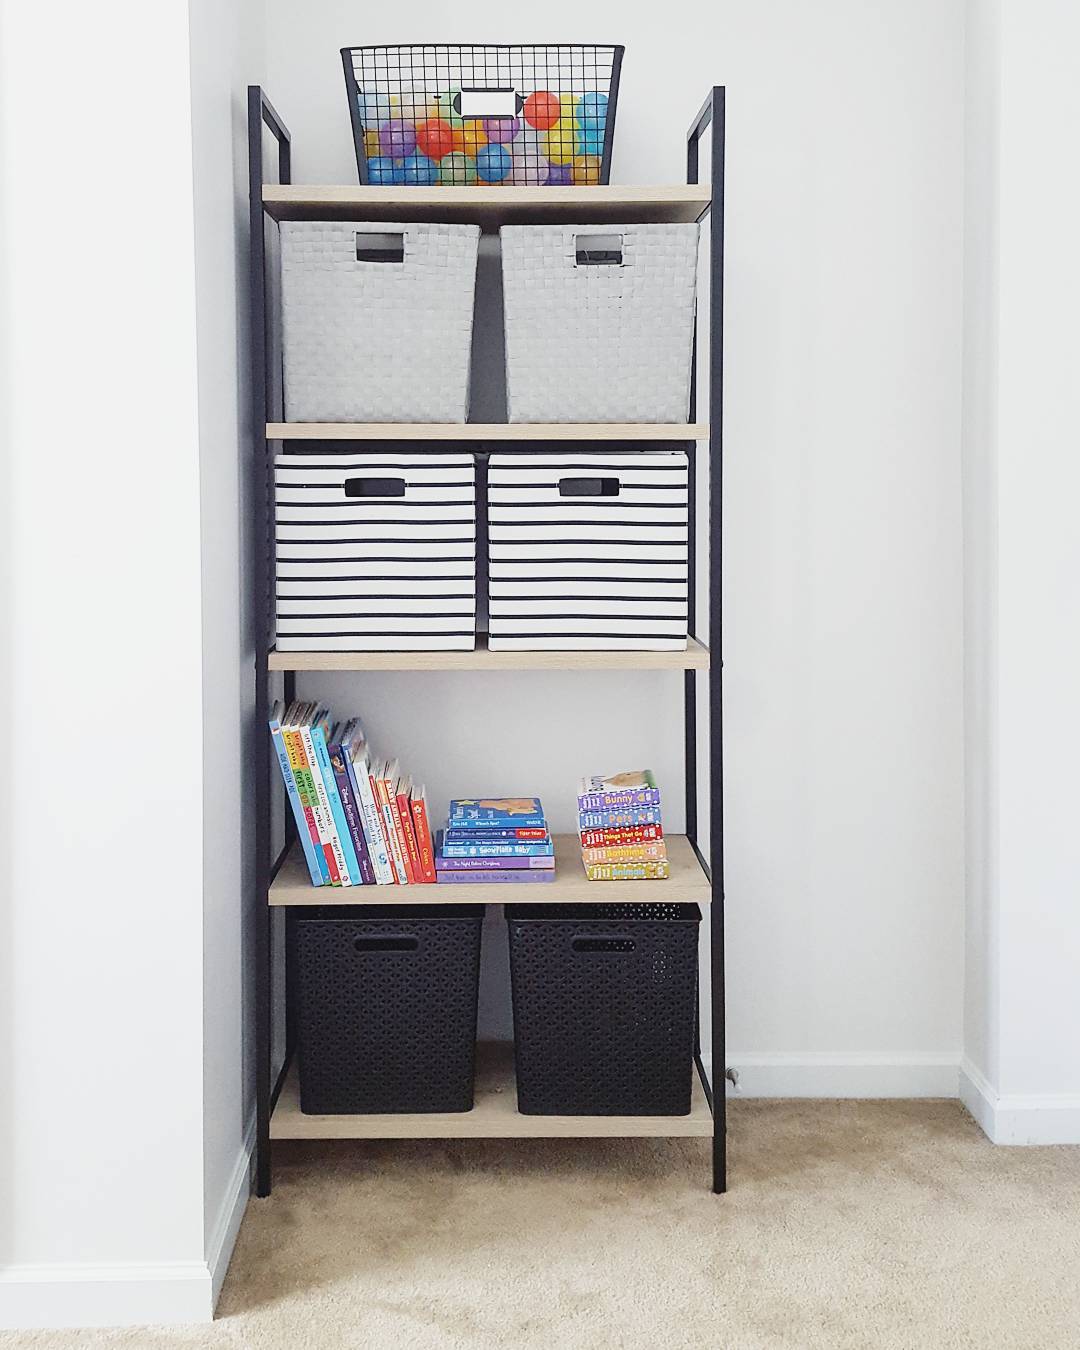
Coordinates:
column 402, row 791
column 619, row 836
column 382, row 801
column 401, row 851
column 422, row 827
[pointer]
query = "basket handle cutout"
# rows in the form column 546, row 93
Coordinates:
column 603, row 945
column 588, row 487
column 598, row 250
column 476, row 101
column 383, row 247
column 385, row 944
column 374, row 487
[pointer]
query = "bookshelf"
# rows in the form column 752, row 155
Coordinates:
column 281, row 886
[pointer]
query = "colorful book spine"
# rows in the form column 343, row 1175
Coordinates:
column 496, row 813
column 372, row 820
column 610, row 801
column 348, row 864
column 382, row 786
column 521, row 836
column 302, row 826
column 422, row 828
column 404, row 814
column 619, row 838
column 351, row 808
column 497, row 850
column 492, row 878
column 401, row 840
column 629, row 853
column 494, row 864
column 620, row 819
column 305, row 782
column 640, row 871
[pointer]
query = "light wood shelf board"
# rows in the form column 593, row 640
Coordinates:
column 487, row 431
column 490, row 207
column 687, row 884
column 694, row 657
column 494, row 1115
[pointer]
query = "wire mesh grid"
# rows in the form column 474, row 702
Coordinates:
column 484, row 115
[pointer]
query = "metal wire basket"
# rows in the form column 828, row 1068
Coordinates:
column 460, row 115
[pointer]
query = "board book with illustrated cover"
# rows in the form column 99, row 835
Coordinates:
column 620, row 837
column 494, row 836
column 649, row 852
column 637, row 871
column 496, row 813
column 305, row 821
column 444, row 864
column 619, row 818
column 495, row 850
column 422, row 826
column 635, row 787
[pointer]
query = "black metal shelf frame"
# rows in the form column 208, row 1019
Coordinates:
column 262, row 116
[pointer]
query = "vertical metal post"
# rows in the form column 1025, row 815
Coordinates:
column 260, row 114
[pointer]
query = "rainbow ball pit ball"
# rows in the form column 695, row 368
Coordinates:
column 416, row 138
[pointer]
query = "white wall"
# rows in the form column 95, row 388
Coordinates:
column 1022, row 479
column 101, row 1165
column 843, row 590
column 226, row 55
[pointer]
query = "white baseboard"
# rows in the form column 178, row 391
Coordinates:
column 845, row 1074
column 1043, row 1118
column 70, row 1294
column 222, row 1239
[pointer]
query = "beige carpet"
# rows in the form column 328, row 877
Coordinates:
column 849, row 1224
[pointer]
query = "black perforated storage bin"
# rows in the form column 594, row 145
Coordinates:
column 386, row 1007
column 604, row 1008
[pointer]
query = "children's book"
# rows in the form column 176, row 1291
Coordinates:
column 350, row 805
column 626, row 854
column 639, row 871
column 496, row 850
column 308, row 779
column 305, row 824
column 356, row 763
column 635, row 787
column 444, row 864
column 511, row 835
column 422, row 828
column 496, row 812
column 385, row 777
column 348, row 866
column 403, row 792
column 493, row 877
column 619, row 837
column 619, row 818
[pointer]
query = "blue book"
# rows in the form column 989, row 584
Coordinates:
column 314, row 868
column 472, row 813
column 517, row 835
column 350, row 806
column 322, row 755
column 503, row 849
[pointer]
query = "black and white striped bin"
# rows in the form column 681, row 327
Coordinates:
column 588, row 550
column 376, row 552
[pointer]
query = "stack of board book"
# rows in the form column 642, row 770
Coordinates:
column 361, row 821
column 622, row 830
column 495, row 839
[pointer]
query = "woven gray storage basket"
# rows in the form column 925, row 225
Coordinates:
column 377, row 341
column 605, row 340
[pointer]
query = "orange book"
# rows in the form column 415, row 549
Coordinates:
column 381, row 781
column 403, row 790
column 401, row 847
column 421, row 825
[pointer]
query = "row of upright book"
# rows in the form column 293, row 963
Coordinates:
column 622, row 829
column 360, row 819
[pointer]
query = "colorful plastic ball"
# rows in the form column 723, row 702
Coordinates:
column 590, row 140
column 397, row 138
column 560, row 143
column 420, row 171
column 414, row 104
column 493, row 163
column 559, row 175
column 372, row 148
column 434, row 137
column 586, row 169
column 374, row 108
column 383, row 170
column 457, row 169
column 542, row 109
column 468, row 137
column 528, row 170
column 592, row 110
column 501, row 130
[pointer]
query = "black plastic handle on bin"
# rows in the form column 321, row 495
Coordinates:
column 589, row 487
column 602, row 944
column 374, row 487
column 382, row 246
column 598, row 250
column 386, row 943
